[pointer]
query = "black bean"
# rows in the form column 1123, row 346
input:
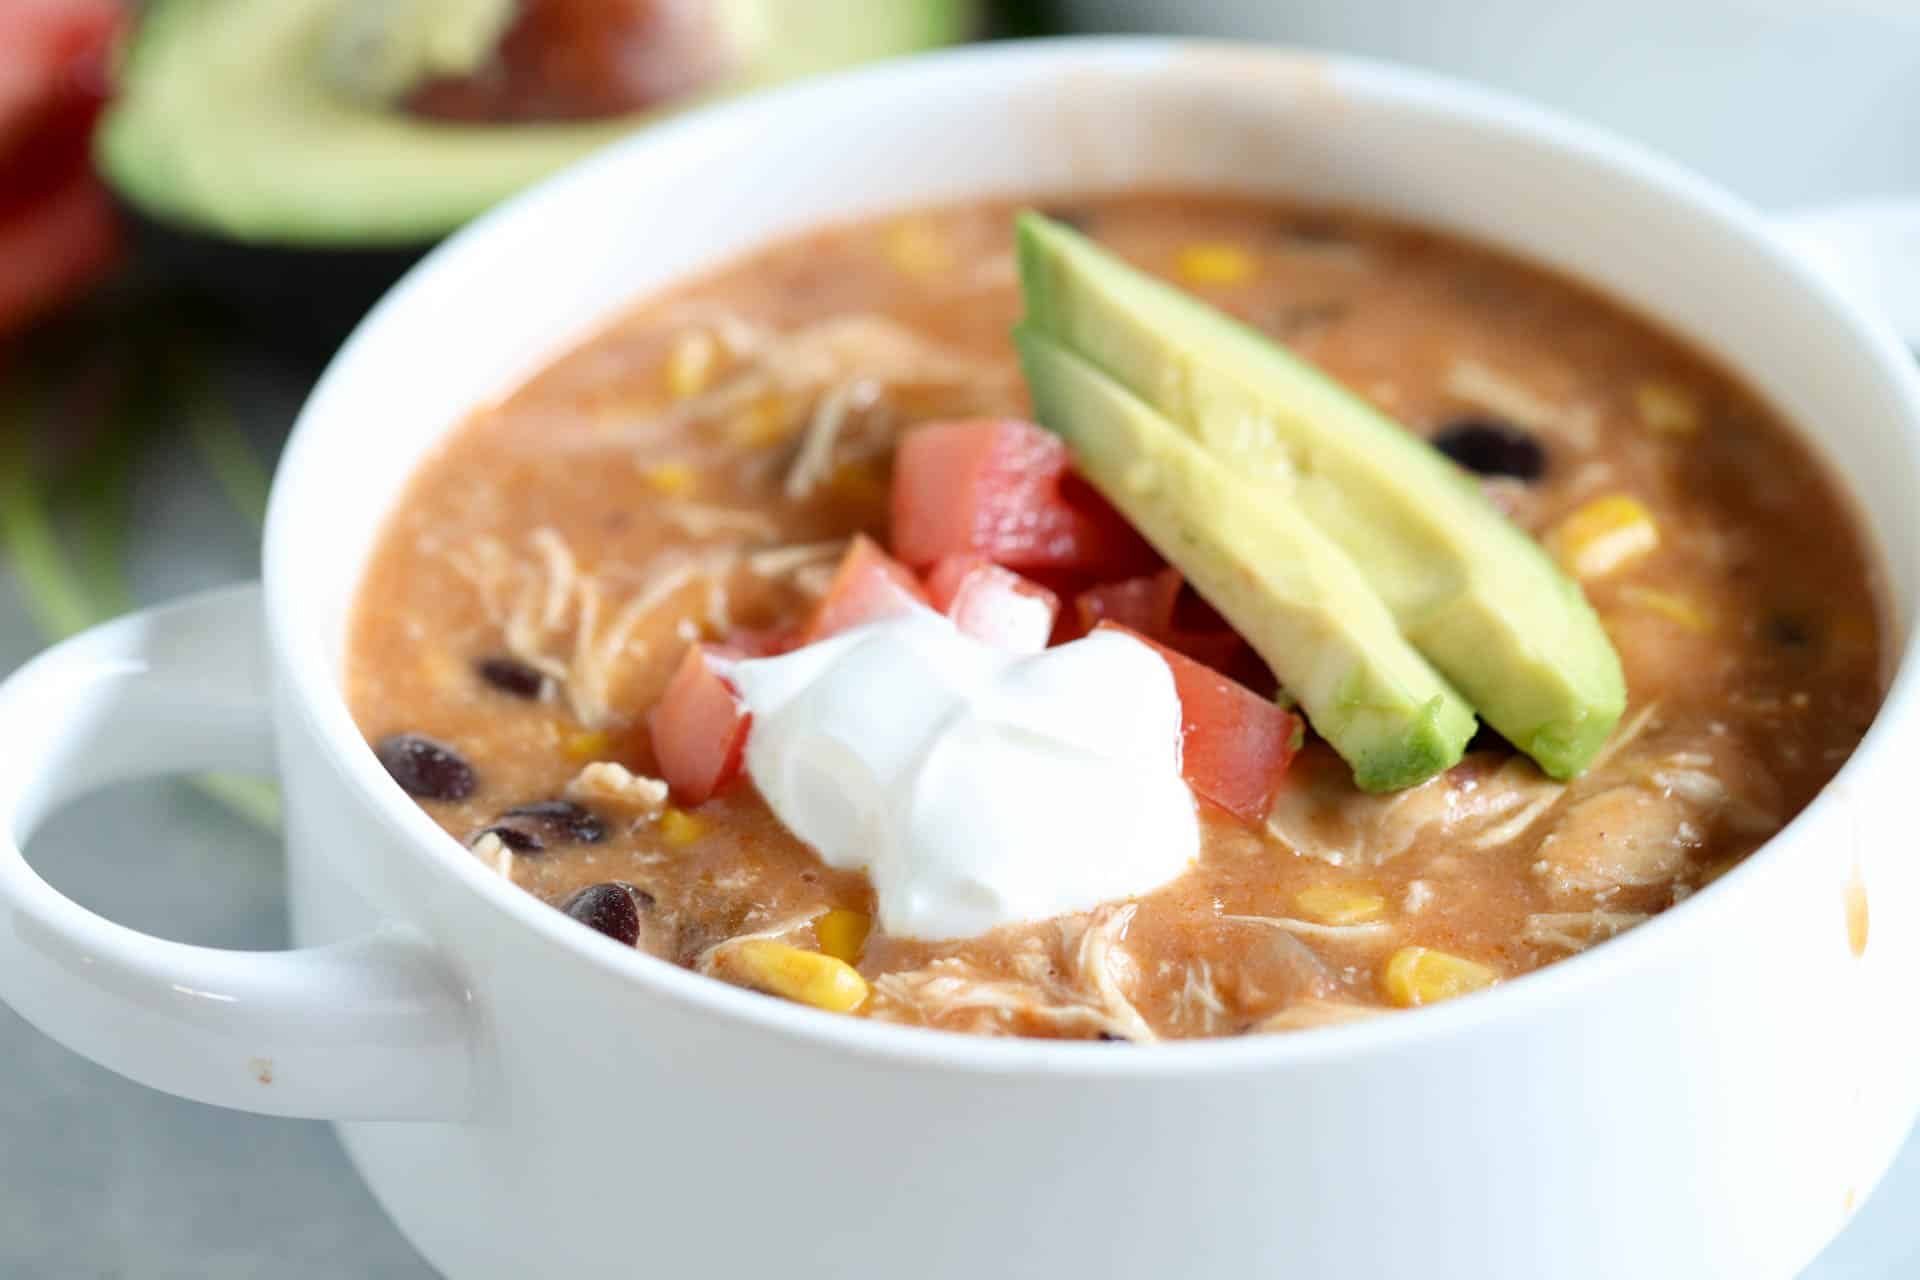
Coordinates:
column 510, row 675
column 1489, row 447
column 1789, row 632
column 425, row 768
column 613, row 909
column 518, row 839
column 562, row 819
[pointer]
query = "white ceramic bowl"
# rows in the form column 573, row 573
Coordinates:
column 1786, row 102
column 1709, row 1095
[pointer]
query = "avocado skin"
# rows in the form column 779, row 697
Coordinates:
column 296, row 298
column 1291, row 592
column 1475, row 594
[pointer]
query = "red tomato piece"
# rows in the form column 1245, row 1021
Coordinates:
column 1141, row 604
column 1161, row 608
column 1235, row 745
column 57, row 232
column 699, row 728
column 1001, row 488
column 869, row 586
column 52, row 51
column 1224, row 651
column 763, row 642
column 54, row 248
column 994, row 604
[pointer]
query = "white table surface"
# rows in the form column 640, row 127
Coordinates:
column 100, row 1178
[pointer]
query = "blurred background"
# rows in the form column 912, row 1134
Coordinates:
column 198, row 198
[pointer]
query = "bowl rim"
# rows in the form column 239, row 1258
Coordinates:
column 319, row 701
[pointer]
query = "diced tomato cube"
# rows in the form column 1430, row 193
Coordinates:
column 1160, row 607
column 699, row 728
column 53, row 52
column 869, row 586
column 57, row 230
column 1142, row 604
column 1235, row 745
column 1001, row 488
column 994, row 604
column 763, row 642
column 1224, row 651
column 54, row 249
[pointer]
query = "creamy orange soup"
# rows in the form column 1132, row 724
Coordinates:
column 697, row 467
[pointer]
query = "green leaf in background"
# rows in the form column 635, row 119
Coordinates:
column 216, row 434
column 51, row 590
column 162, row 385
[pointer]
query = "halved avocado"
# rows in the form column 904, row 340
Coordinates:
column 237, row 123
column 1481, row 600
column 227, row 121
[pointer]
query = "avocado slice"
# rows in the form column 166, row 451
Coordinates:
column 1470, row 590
column 1298, row 599
column 228, row 120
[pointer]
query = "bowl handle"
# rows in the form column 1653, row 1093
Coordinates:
column 1870, row 250
column 373, row 1028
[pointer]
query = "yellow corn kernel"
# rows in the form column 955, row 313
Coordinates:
column 803, row 976
column 1420, row 975
column 858, row 483
column 1667, row 410
column 680, row 828
column 1214, row 262
column 588, row 744
column 764, row 423
column 691, row 363
column 915, row 247
column 1603, row 535
column 671, row 479
column 1671, row 606
column 1341, row 903
column 842, row 934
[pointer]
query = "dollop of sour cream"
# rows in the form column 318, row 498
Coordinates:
column 976, row 786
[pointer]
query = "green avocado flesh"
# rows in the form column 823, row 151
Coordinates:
column 1296, row 597
column 226, row 120
column 1469, row 590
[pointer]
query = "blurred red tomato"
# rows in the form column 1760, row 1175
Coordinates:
column 57, row 234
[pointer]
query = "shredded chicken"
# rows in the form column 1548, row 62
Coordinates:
column 1479, row 385
column 550, row 613
column 814, row 461
column 1321, row 815
column 613, row 786
column 814, row 579
column 1304, row 1014
column 1324, row 932
column 1625, row 835
column 1072, row 983
column 1578, row 930
column 1622, row 736
column 1638, row 823
column 712, row 960
column 869, row 349
column 779, row 562
column 493, row 851
column 1683, row 775
column 704, row 520
column 1198, row 1003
